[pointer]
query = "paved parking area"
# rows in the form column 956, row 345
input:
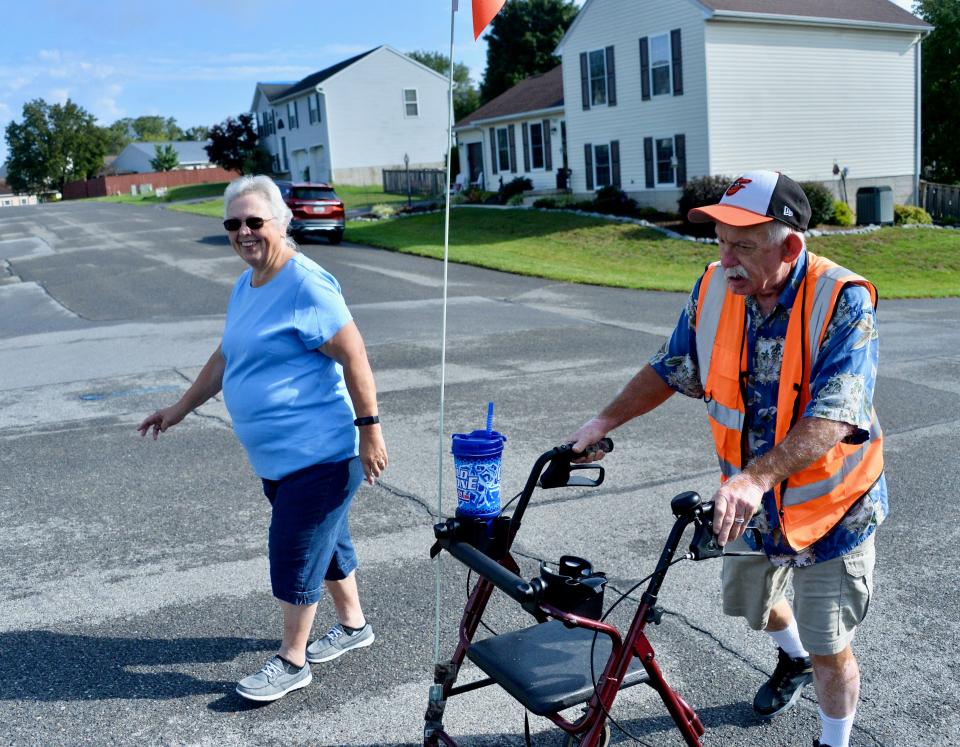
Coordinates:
column 133, row 585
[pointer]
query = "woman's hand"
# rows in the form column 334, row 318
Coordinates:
column 373, row 452
column 161, row 420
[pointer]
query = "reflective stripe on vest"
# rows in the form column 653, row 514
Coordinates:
column 817, row 497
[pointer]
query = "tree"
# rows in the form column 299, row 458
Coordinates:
column 165, row 158
column 118, row 135
column 151, row 129
column 52, row 146
column 466, row 97
column 941, row 89
column 196, row 133
column 521, row 42
column 234, row 145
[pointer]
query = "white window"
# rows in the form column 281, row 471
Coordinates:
column 313, row 104
column 293, row 121
column 597, row 63
column 410, row 105
column 601, row 166
column 503, row 149
column 660, row 65
column 536, row 145
column 666, row 162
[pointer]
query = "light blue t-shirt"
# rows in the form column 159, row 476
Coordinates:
column 289, row 403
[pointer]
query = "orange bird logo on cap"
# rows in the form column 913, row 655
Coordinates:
column 739, row 184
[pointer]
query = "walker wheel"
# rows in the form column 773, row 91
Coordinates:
column 573, row 740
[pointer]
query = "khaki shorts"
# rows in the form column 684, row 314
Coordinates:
column 830, row 598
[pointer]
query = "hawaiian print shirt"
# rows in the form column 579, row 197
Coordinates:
column 842, row 389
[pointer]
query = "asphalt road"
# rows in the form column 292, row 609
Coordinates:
column 133, row 585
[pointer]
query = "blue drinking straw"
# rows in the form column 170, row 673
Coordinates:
column 489, row 416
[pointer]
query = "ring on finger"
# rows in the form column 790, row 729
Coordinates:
column 739, row 520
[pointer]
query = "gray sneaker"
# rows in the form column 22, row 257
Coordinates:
column 275, row 680
column 337, row 642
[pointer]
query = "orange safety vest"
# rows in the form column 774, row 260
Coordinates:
column 812, row 501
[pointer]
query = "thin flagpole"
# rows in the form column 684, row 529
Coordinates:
column 443, row 332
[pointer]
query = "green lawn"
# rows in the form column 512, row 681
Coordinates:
column 186, row 192
column 561, row 246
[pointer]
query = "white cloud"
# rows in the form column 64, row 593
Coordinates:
column 15, row 84
column 58, row 95
column 49, row 55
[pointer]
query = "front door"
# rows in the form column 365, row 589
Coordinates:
column 475, row 161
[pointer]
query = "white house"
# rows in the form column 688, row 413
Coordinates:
column 350, row 121
column 520, row 133
column 136, row 157
column 658, row 92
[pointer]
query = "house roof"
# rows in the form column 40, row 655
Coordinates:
column 869, row 11
column 277, row 91
column 532, row 94
column 188, row 151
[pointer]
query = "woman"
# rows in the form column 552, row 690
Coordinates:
column 299, row 389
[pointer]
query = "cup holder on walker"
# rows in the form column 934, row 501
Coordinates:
column 573, row 586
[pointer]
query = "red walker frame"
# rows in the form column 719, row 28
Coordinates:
column 503, row 573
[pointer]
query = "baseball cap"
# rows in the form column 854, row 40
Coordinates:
column 758, row 197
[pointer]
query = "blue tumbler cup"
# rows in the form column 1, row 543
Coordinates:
column 476, row 458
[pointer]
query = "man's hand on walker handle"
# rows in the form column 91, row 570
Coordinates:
column 734, row 504
column 586, row 439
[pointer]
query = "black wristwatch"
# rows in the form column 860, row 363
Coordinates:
column 368, row 420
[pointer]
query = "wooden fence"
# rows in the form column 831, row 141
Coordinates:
column 942, row 201
column 421, row 181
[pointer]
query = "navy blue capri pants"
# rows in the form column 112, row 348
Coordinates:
column 309, row 536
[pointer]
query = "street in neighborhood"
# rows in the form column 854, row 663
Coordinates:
column 133, row 583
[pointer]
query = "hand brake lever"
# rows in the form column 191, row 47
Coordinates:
column 557, row 473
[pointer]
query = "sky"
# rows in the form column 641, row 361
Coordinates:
column 199, row 60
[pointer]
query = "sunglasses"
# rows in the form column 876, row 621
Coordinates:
column 253, row 223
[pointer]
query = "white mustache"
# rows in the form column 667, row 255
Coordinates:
column 731, row 273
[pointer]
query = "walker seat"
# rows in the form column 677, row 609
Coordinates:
column 546, row 667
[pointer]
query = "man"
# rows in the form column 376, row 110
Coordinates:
column 782, row 347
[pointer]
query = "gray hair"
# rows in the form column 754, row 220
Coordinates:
column 778, row 232
column 266, row 188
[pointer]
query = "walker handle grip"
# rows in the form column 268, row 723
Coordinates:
column 508, row 582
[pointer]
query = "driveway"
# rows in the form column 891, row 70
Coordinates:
column 133, row 584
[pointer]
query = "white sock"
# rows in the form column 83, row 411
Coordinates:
column 789, row 640
column 836, row 731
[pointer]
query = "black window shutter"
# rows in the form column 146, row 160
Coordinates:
column 648, row 161
column 526, row 147
column 644, row 69
column 615, row 163
column 588, row 165
column 547, row 147
column 493, row 149
column 611, row 79
column 680, row 149
column 584, row 81
column 677, row 55
column 513, row 148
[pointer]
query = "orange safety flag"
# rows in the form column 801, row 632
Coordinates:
column 483, row 13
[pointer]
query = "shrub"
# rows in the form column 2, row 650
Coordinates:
column 704, row 190
column 842, row 214
column 515, row 200
column 614, row 201
column 383, row 211
column 475, row 196
column 903, row 214
column 547, row 203
column 514, row 187
column 821, row 202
